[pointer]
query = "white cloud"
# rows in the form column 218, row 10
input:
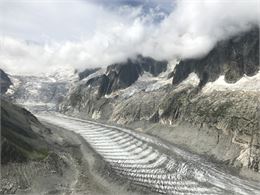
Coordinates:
column 82, row 34
column 195, row 26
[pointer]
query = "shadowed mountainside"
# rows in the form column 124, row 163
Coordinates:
column 5, row 81
column 20, row 136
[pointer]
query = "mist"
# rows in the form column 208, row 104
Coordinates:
column 89, row 34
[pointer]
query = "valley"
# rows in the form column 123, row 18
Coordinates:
column 161, row 98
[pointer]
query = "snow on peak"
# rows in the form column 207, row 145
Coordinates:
column 191, row 80
column 246, row 83
column 62, row 74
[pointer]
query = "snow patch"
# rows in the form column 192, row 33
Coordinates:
column 192, row 79
column 95, row 74
column 158, row 84
column 16, row 83
column 62, row 74
column 246, row 83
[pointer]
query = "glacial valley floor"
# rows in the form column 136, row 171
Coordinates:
column 138, row 162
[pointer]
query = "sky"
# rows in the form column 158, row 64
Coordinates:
column 40, row 36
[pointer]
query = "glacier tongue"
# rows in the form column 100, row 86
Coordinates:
column 41, row 92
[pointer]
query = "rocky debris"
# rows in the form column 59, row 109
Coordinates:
column 20, row 177
column 234, row 114
column 5, row 82
column 233, row 58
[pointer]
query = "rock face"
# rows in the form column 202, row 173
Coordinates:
column 223, row 124
column 234, row 114
column 5, row 81
column 232, row 58
column 87, row 72
column 122, row 75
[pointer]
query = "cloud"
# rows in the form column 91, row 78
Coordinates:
column 84, row 34
column 194, row 27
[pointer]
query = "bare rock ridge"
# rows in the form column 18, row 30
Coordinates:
column 122, row 75
column 222, row 124
column 232, row 58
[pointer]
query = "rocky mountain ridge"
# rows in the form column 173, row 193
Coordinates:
column 122, row 75
column 222, row 124
column 232, row 58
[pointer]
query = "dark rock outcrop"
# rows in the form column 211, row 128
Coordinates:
column 233, row 58
column 101, row 83
column 5, row 82
column 122, row 75
column 152, row 66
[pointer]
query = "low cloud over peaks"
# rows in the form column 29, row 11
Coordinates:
column 87, row 34
column 194, row 27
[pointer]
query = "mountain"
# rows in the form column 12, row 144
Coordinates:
column 232, row 58
column 5, row 81
column 20, row 135
column 122, row 75
column 41, row 92
column 209, row 105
